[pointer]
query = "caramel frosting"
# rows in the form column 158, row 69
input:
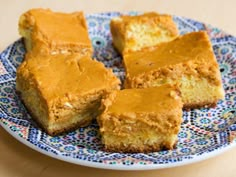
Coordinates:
column 55, row 28
column 66, row 76
column 157, row 99
column 193, row 46
column 157, row 107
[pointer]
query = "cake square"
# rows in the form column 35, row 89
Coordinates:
column 188, row 61
column 141, row 120
column 54, row 32
column 132, row 33
column 63, row 92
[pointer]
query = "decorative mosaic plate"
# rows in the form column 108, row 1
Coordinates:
column 204, row 132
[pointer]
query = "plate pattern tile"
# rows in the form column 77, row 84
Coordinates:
column 203, row 131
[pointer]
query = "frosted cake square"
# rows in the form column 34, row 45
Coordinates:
column 132, row 33
column 50, row 32
column 141, row 120
column 63, row 92
column 188, row 62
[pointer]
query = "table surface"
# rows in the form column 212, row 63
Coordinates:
column 19, row 160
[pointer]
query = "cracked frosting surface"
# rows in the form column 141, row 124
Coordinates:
column 193, row 47
column 159, row 108
column 65, row 76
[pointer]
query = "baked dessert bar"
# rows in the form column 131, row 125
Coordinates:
column 132, row 33
column 53, row 32
column 141, row 120
column 188, row 61
column 63, row 92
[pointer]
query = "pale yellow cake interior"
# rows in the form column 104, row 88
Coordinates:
column 132, row 33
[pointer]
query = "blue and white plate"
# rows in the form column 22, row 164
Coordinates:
column 204, row 132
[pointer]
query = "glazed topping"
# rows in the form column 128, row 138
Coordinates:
column 60, row 76
column 193, row 46
column 157, row 99
column 56, row 27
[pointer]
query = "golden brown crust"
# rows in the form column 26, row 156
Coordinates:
column 200, row 105
column 138, row 149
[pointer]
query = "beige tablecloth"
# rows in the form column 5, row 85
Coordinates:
column 18, row 160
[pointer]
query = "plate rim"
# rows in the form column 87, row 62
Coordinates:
column 137, row 167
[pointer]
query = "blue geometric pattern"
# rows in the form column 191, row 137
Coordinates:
column 203, row 131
